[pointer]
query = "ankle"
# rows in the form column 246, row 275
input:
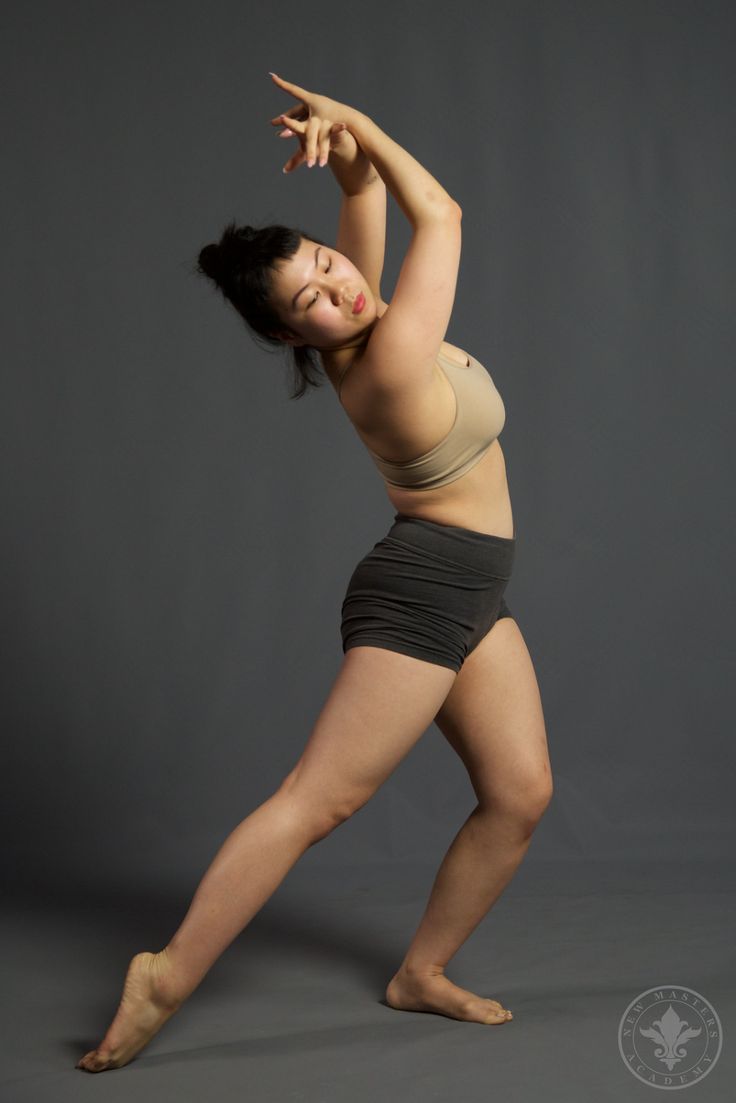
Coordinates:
column 415, row 970
column 169, row 988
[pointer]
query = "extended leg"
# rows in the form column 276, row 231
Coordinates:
column 359, row 738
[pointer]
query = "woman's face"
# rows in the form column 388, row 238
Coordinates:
column 314, row 293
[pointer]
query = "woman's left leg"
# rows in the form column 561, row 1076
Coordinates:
column 493, row 719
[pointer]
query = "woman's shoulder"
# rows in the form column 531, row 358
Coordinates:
column 356, row 377
column 352, row 364
column 383, row 416
column 367, row 375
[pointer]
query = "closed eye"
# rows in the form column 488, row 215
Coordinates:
column 317, row 295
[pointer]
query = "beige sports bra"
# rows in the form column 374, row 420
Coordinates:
column 479, row 418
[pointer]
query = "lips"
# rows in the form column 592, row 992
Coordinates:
column 359, row 303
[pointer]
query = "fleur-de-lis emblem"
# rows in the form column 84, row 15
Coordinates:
column 672, row 1034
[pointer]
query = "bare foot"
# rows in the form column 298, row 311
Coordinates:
column 435, row 992
column 145, row 1006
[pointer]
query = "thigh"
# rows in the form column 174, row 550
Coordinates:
column 493, row 719
column 379, row 706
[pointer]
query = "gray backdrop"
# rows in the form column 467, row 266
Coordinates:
column 178, row 536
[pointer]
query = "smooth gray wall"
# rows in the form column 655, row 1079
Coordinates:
column 171, row 601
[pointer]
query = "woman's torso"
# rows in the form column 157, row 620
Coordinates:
column 410, row 427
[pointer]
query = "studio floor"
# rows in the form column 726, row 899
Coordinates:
column 294, row 1010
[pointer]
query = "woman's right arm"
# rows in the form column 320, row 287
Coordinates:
column 416, row 191
column 403, row 346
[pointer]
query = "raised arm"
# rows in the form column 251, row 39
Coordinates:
column 403, row 345
column 361, row 234
column 416, row 191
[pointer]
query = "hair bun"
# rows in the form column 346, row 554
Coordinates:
column 210, row 262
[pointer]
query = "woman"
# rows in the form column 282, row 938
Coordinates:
column 424, row 617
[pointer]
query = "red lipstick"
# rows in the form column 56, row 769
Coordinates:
column 359, row 303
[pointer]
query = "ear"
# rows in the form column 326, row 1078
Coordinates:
column 288, row 338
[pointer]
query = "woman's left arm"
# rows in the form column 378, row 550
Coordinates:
column 361, row 234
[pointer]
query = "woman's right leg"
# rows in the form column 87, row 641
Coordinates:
column 379, row 706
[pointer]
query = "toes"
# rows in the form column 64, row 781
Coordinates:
column 498, row 1013
column 92, row 1062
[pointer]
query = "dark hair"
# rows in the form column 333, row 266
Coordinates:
column 242, row 264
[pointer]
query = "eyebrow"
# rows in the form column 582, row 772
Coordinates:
column 306, row 285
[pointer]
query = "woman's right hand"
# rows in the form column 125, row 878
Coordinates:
column 320, row 113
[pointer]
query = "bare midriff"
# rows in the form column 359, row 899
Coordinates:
column 477, row 500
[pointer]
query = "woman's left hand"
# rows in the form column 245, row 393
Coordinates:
column 321, row 137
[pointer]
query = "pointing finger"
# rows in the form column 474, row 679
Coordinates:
column 293, row 88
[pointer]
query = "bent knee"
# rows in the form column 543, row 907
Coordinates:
column 526, row 804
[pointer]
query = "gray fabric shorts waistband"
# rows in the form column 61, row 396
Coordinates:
column 479, row 551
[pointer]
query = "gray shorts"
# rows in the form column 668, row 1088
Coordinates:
column 428, row 590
